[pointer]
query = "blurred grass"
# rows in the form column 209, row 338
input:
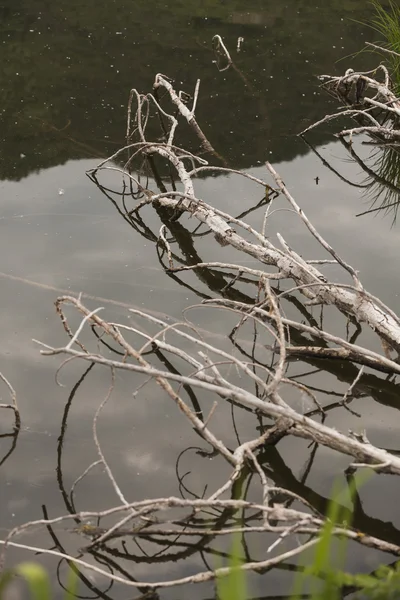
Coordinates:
column 38, row 581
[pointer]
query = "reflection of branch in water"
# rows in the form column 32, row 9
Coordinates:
column 384, row 187
column 158, row 530
column 221, row 54
column 133, row 220
column 17, row 419
column 188, row 389
column 183, row 487
column 85, row 580
column 327, row 164
column 382, row 183
column 14, row 437
column 383, row 178
column 383, row 391
column 214, row 280
column 68, row 501
column 283, row 476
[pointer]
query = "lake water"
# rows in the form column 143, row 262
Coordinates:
column 66, row 72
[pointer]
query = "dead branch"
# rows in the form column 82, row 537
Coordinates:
column 223, row 376
column 356, row 302
column 284, row 522
column 13, row 406
column 210, row 379
column 377, row 115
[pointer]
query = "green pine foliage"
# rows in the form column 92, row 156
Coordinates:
column 386, row 22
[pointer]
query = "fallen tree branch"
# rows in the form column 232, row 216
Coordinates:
column 215, row 375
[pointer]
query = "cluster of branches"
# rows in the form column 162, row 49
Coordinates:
column 368, row 100
column 371, row 101
column 260, row 386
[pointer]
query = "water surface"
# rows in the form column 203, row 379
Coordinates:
column 67, row 69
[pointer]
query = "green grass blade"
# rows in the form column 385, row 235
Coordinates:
column 37, row 579
column 233, row 586
column 72, row 584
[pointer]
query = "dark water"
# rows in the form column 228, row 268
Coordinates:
column 66, row 71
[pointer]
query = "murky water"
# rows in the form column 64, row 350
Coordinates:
column 66, row 71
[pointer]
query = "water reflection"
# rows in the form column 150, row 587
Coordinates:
column 381, row 183
column 128, row 551
column 378, row 153
column 107, row 216
column 10, row 438
column 66, row 73
column 382, row 179
column 229, row 286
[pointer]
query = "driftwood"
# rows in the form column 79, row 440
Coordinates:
column 352, row 299
column 370, row 101
column 263, row 385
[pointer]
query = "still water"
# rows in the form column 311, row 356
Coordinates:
column 66, row 72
